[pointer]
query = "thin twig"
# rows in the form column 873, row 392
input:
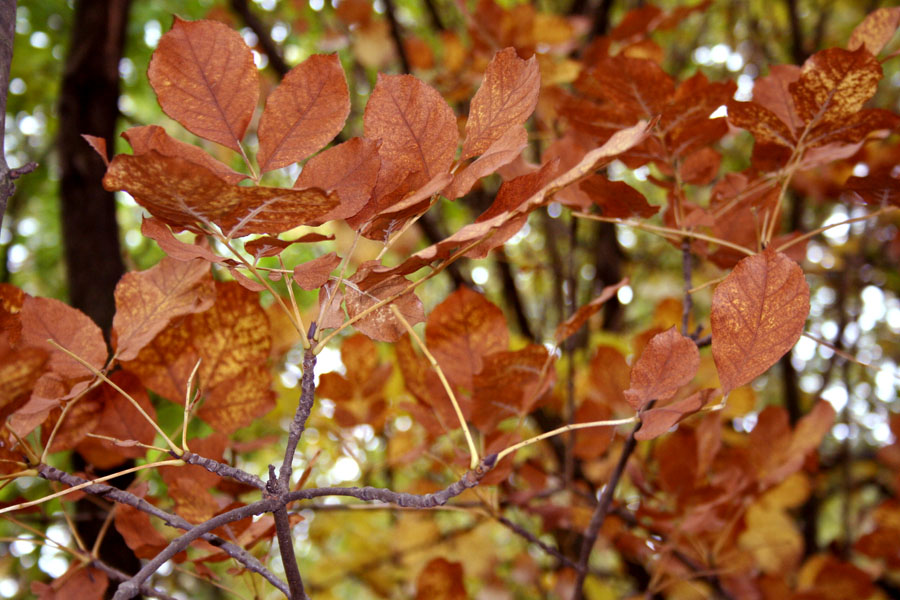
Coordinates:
column 288, row 557
column 304, row 408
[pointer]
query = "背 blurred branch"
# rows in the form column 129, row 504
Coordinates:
column 7, row 35
column 276, row 60
column 391, row 12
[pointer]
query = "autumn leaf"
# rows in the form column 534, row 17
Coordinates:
column 659, row 419
column 757, row 315
column 204, row 78
column 415, row 126
column 617, row 199
column 441, row 579
column 834, row 84
column 461, row 331
column 669, row 361
column 501, row 152
column 153, row 137
column 159, row 232
column 304, row 112
column 363, row 292
column 509, row 384
column 313, row 274
column 146, row 301
column 571, row 325
column 876, row 30
column 504, row 101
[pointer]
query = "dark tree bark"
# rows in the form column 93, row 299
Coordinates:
column 7, row 31
column 89, row 104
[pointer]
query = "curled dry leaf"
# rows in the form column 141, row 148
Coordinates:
column 366, row 289
column 204, row 78
column 304, row 112
column 758, row 314
column 669, row 361
column 505, row 100
column 147, row 300
column 659, row 420
column 157, row 230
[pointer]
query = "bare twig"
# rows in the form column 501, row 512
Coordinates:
column 288, row 557
column 391, row 13
column 214, row 466
column 304, row 407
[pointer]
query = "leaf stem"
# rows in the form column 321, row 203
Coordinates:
column 881, row 211
column 559, row 430
column 473, row 452
column 112, row 384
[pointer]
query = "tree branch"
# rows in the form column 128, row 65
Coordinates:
column 304, row 407
column 593, row 530
column 118, row 575
column 288, row 557
column 116, row 495
column 221, row 469
column 7, row 35
column 390, row 10
column 276, row 60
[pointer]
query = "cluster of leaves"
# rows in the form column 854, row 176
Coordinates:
column 705, row 502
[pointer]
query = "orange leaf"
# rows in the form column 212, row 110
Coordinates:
column 349, row 169
column 876, row 30
column 78, row 583
column 46, row 318
column 236, row 402
column 99, row 146
column 146, row 301
column 304, row 112
column 834, row 84
column 758, row 313
column 159, row 232
column 381, row 324
column 509, row 385
column 669, row 361
column 119, row 419
column 463, row 329
column 416, row 127
column 313, row 274
column 617, row 199
column 153, row 137
column 441, row 579
column 184, row 193
column 505, row 100
column 657, row 421
column 136, row 528
column 574, row 323
column 204, row 78
column 501, row 152
column 765, row 125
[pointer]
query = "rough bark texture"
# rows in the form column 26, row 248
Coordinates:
column 89, row 104
column 7, row 31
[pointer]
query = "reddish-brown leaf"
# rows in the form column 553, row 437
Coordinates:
column 571, row 325
column 876, row 30
column 136, row 528
column 503, row 151
column 236, row 402
column 879, row 187
column 365, row 291
column 157, row 230
column 78, row 583
column 617, row 199
column 700, row 167
column 441, row 579
column 146, row 301
column 183, row 193
column 509, row 385
column 757, row 315
column 46, row 319
column 313, row 274
column 416, row 127
column 204, row 78
column 266, row 246
column 119, row 419
column 834, row 84
column 773, row 92
column 153, row 137
column 99, row 146
column 461, row 331
column 843, row 134
column 669, row 361
column 765, row 125
column 350, row 170
column 504, row 101
column 304, row 112
column 658, row 420
column 638, row 87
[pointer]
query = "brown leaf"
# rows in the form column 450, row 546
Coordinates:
column 158, row 231
column 350, row 170
column 20, row 369
column 509, row 385
column 617, row 199
column 136, row 528
column 638, row 87
column 48, row 319
column 304, row 112
column 764, row 124
column 879, row 187
column 876, row 30
column 381, row 324
column 773, row 93
column 78, row 583
column 461, row 331
column 184, row 193
column 146, row 301
column 505, row 100
column 313, row 274
column 153, row 137
column 669, row 361
column 244, row 281
column 501, row 152
column 119, row 419
column 264, row 246
column 204, row 78
column 700, row 167
column 441, row 579
column 834, row 84
column 571, row 325
column 99, row 146
column 757, row 315
column 416, row 128
column 659, row 420
column 238, row 401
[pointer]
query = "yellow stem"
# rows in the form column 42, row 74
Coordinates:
column 120, row 442
column 134, row 402
column 187, row 405
column 324, row 308
column 881, row 211
column 707, row 284
column 677, row 233
column 473, row 452
column 572, row 427
column 75, row 488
